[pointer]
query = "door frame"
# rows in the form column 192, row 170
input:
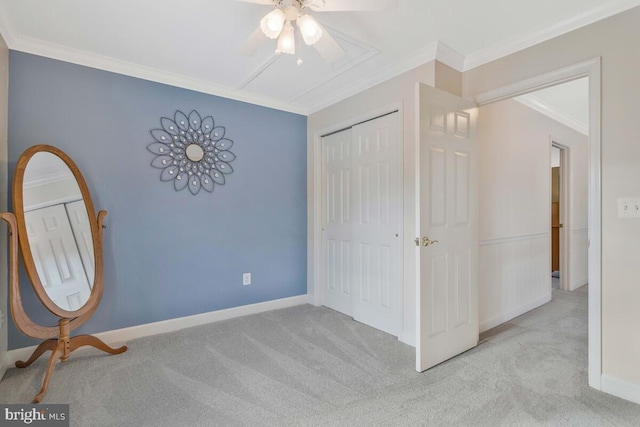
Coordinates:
column 565, row 214
column 591, row 69
column 315, row 275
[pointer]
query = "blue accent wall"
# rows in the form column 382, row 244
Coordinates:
column 167, row 254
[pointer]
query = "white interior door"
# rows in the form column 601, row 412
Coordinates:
column 447, row 311
column 377, row 258
column 56, row 257
column 337, row 236
column 79, row 220
column 362, row 222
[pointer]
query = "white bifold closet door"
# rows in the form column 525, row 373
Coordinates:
column 56, row 256
column 362, row 222
column 79, row 220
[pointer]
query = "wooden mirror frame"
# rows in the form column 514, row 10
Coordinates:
column 25, row 249
column 57, row 338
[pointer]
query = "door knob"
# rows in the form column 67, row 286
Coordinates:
column 426, row 241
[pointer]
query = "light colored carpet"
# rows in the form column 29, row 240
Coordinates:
column 312, row 366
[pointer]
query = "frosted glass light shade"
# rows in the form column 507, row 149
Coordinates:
column 271, row 24
column 309, row 29
column 286, row 41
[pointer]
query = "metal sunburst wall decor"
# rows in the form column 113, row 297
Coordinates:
column 192, row 152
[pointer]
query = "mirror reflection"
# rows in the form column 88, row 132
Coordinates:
column 58, row 231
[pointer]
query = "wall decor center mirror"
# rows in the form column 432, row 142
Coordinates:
column 60, row 239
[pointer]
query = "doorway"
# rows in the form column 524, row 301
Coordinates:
column 593, row 225
column 562, row 230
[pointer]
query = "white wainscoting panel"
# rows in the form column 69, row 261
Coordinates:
column 514, row 277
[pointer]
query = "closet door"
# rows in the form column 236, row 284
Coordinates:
column 337, row 236
column 56, row 256
column 377, row 224
column 362, row 222
column 79, row 220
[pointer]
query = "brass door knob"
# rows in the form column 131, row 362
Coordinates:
column 426, row 241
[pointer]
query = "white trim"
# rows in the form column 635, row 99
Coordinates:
column 516, row 238
column 417, row 58
column 572, row 72
column 565, row 212
column 102, row 62
column 543, row 34
column 621, row 389
column 553, row 113
column 505, row 317
column 434, row 51
column 120, row 336
column 589, row 69
column 450, row 57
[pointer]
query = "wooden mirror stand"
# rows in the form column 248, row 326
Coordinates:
column 57, row 339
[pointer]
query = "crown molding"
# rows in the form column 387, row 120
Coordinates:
column 544, row 108
column 6, row 29
column 106, row 63
column 540, row 35
column 417, row 58
column 450, row 57
column 434, row 51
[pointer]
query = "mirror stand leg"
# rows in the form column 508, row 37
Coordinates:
column 47, row 345
column 53, row 359
column 90, row 340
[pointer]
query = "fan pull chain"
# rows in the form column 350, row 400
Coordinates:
column 299, row 61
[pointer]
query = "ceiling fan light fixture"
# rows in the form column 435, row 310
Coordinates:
column 272, row 23
column 309, row 29
column 286, row 41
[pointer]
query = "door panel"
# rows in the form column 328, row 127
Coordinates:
column 56, row 256
column 79, row 220
column 336, row 221
column 377, row 227
column 362, row 173
column 447, row 315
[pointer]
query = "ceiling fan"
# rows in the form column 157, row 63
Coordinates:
column 278, row 24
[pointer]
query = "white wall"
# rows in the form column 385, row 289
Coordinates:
column 514, row 209
column 613, row 40
column 4, row 191
column 399, row 91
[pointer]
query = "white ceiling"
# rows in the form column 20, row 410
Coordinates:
column 567, row 103
column 191, row 43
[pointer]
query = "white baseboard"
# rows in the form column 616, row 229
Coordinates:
column 505, row 317
column 620, row 388
column 578, row 284
column 121, row 336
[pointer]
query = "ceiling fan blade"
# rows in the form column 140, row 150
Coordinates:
column 269, row 2
column 349, row 5
column 328, row 47
column 251, row 45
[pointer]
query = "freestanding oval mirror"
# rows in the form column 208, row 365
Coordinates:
column 60, row 240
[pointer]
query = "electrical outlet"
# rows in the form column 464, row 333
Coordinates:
column 246, row 279
column 629, row 207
